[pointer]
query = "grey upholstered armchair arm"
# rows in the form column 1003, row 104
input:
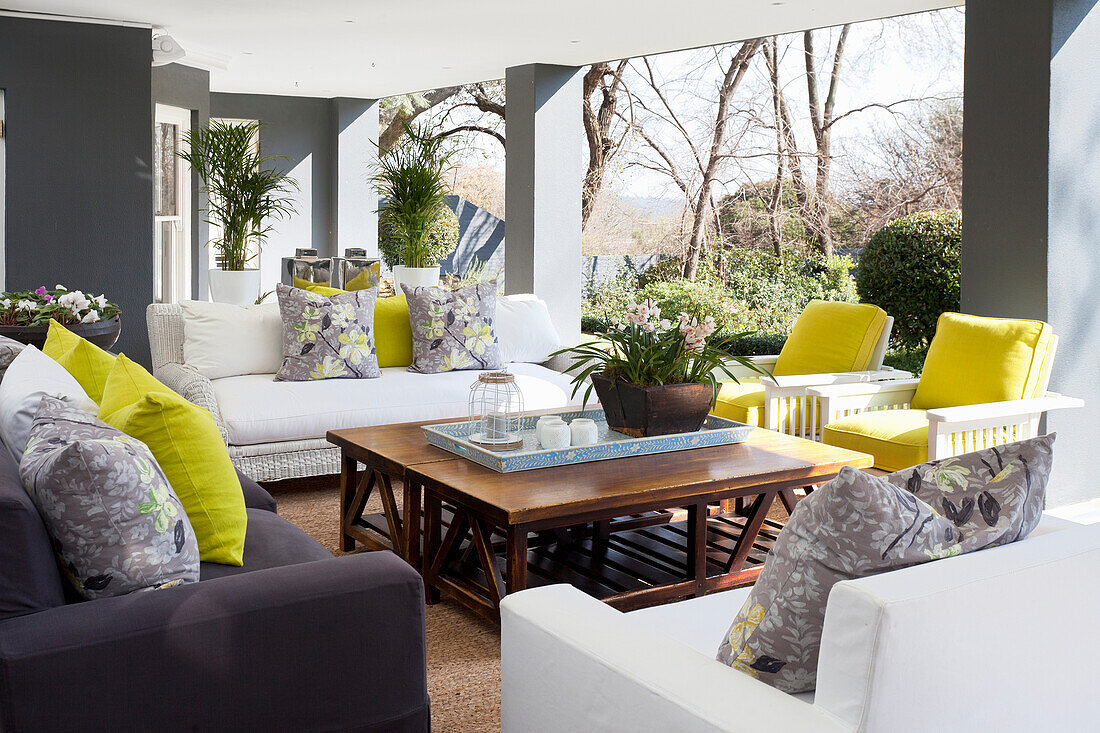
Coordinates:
column 187, row 382
column 273, row 649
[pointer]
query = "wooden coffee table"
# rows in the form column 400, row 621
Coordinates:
column 387, row 452
column 600, row 526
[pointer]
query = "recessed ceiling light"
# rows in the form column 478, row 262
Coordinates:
column 349, row 21
column 448, row 67
column 246, row 53
column 574, row 41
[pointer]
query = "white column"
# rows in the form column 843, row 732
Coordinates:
column 355, row 139
column 545, row 172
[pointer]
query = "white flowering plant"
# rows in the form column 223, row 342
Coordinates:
column 647, row 350
column 67, row 307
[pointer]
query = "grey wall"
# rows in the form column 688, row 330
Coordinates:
column 79, row 141
column 1031, row 215
column 188, row 88
column 299, row 128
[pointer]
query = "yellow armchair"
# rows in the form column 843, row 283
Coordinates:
column 831, row 343
column 984, row 384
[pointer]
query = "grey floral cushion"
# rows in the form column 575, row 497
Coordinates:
column 116, row 524
column 453, row 329
column 327, row 336
column 858, row 525
column 9, row 349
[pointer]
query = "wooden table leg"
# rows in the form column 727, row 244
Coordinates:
column 433, row 523
column 413, row 500
column 697, row 545
column 758, row 512
column 517, row 558
column 349, row 469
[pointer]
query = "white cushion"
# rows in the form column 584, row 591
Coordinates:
column 524, row 329
column 224, row 340
column 30, row 377
column 257, row 409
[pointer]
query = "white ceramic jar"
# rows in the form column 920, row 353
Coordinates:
column 582, row 431
column 555, row 435
column 542, row 422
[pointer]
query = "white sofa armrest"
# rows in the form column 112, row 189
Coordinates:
column 999, row 412
column 996, row 640
column 186, row 381
column 866, row 389
column 572, row 663
column 839, row 400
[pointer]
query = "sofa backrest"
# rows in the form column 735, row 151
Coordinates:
column 29, row 577
column 1001, row 639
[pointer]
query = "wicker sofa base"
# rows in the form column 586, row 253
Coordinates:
column 286, row 460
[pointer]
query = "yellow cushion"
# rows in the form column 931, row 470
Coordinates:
column 87, row 363
column 366, row 279
column 316, row 287
column 741, row 402
column 392, row 332
column 186, row 443
column 896, row 438
column 973, row 360
column 832, row 337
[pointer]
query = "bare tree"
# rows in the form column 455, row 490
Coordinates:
column 400, row 111
column 697, row 174
column 603, row 142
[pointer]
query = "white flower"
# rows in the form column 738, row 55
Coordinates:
column 26, row 305
column 75, row 301
column 100, row 301
column 91, row 317
column 59, row 287
column 5, row 303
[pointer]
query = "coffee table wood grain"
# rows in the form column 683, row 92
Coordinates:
column 561, row 498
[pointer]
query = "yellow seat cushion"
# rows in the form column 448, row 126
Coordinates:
column 832, row 337
column 973, row 360
column 896, row 438
column 741, row 402
column 185, row 441
column 87, row 363
column 393, row 339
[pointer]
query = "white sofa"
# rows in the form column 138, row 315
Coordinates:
column 276, row 430
column 999, row 640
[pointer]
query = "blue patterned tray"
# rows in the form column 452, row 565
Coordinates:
column 453, row 437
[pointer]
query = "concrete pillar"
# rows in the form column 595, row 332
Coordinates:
column 355, row 149
column 1031, row 208
column 545, row 172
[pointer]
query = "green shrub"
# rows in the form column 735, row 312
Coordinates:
column 910, row 360
column 910, row 269
column 442, row 238
column 699, row 299
column 758, row 344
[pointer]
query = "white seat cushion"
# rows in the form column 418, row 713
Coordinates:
column 257, row 409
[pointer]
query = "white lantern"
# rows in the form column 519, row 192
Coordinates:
column 496, row 405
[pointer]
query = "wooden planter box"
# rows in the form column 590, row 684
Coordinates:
column 645, row 411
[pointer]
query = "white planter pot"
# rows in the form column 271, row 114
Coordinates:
column 240, row 287
column 415, row 277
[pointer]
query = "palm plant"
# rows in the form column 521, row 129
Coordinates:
column 412, row 178
column 245, row 192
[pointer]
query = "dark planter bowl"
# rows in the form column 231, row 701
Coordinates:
column 646, row 411
column 103, row 334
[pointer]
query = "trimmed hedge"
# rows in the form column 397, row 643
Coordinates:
column 910, row 269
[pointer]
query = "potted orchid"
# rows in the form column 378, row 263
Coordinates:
column 25, row 315
column 655, row 376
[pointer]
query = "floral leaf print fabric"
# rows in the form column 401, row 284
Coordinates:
column 116, row 524
column 453, row 329
column 858, row 525
column 327, row 337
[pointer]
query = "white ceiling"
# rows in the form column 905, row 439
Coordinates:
column 375, row 48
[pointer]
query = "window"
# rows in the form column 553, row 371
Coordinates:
column 172, row 240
